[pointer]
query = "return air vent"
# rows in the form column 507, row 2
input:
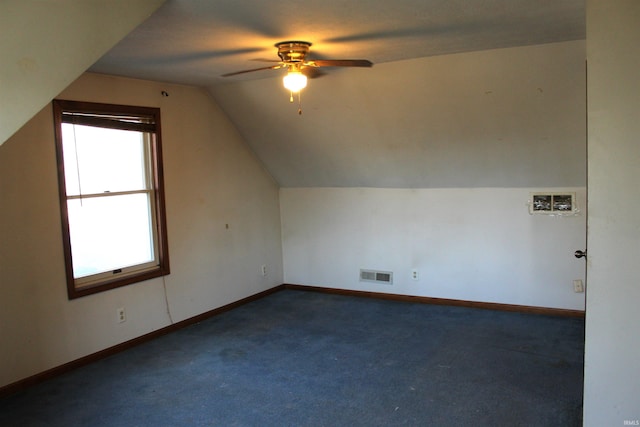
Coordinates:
column 385, row 277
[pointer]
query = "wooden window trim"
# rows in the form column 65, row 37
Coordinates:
column 153, row 114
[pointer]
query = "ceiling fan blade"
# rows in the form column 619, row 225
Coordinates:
column 312, row 72
column 340, row 63
column 264, row 60
column 235, row 73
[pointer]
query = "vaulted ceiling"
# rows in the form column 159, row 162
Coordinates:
column 196, row 41
column 448, row 103
column 46, row 45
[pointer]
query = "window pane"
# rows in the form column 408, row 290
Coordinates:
column 110, row 180
column 109, row 232
column 98, row 160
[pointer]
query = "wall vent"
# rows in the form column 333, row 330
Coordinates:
column 374, row 276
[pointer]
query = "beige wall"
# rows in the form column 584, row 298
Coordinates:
column 612, row 345
column 211, row 179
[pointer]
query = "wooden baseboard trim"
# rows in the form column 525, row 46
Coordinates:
column 74, row 364
column 443, row 301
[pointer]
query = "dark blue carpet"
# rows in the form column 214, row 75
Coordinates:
column 300, row 358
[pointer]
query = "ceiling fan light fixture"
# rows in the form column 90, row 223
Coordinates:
column 293, row 57
column 295, row 81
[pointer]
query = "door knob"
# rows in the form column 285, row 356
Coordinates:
column 580, row 254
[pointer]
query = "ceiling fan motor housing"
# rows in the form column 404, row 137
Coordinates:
column 293, row 51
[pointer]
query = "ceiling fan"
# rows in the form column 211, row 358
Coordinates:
column 293, row 57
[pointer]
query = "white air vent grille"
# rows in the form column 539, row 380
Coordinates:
column 385, row 277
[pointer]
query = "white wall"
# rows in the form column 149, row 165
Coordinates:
column 45, row 45
column 211, row 179
column 428, row 164
column 612, row 368
column 477, row 244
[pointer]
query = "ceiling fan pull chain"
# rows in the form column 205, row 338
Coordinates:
column 291, row 97
column 299, row 103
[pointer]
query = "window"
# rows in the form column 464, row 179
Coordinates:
column 111, row 195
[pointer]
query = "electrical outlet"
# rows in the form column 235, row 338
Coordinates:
column 415, row 275
column 578, row 286
column 263, row 270
column 121, row 315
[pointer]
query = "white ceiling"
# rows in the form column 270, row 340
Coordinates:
column 421, row 117
column 195, row 41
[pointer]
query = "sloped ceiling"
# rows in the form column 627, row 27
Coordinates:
column 447, row 103
column 196, row 41
column 45, row 45
column 510, row 117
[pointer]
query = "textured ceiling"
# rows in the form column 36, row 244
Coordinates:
column 447, row 103
column 195, row 41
